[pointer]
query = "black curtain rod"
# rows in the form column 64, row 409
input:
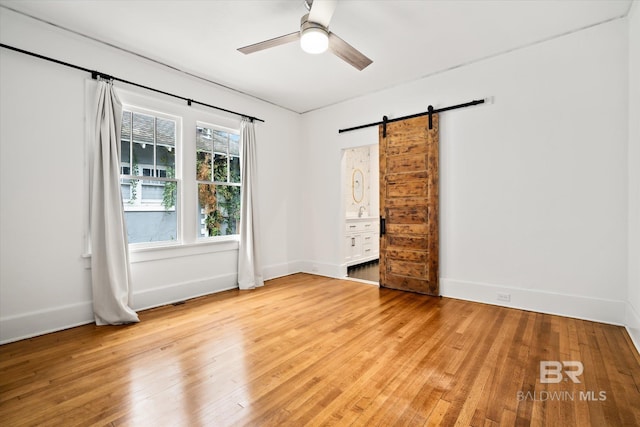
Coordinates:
column 429, row 112
column 96, row 74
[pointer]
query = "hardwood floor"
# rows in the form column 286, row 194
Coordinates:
column 309, row 350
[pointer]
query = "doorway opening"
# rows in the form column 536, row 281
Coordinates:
column 361, row 190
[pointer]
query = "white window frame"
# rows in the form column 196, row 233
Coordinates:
column 186, row 199
column 228, row 130
column 189, row 117
column 155, row 205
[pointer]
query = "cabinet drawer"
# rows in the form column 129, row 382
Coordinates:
column 352, row 226
column 362, row 226
column 369, row 239
column 368, row 251
column 369, row 226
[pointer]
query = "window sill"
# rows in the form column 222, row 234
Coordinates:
column 149, row 253
column 176, row 250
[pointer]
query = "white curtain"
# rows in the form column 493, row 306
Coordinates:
column 249, row 263
column 110, row 272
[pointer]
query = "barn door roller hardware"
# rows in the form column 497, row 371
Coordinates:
column 431, row 111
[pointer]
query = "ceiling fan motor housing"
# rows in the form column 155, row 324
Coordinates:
column 314, row 37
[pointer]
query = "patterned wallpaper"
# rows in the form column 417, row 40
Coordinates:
column 358, row 158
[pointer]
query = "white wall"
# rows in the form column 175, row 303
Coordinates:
column 533, row 185
column 633, row 309
column 44, row 279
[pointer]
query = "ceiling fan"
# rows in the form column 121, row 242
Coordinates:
column 315, row 37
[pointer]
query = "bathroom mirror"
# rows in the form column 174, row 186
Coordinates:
column 357, row 185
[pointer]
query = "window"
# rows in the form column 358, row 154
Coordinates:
column 179, row 185
column 218, row 179
column 148, row 176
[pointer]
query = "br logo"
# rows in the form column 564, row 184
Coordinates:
column 553, row 371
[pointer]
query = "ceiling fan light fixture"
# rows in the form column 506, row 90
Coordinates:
column 314, row 40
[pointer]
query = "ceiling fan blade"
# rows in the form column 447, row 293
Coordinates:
column 348, row 53
column 322, row 11
column 270, row 43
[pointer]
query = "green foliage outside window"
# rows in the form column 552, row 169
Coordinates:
column 169, row 191
column 221, row 203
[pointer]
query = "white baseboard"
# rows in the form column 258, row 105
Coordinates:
column 164, row 295
column 632, row 324
column 27, row 325
column 279, row 270
column 595, row 309
column 322, row 269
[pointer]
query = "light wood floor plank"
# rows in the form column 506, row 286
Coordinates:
column 310, row 350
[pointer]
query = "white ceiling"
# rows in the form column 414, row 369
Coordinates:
column 406, row 40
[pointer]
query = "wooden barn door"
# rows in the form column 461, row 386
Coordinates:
column 409, row 205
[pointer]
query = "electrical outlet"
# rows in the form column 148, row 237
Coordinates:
column 504, row 297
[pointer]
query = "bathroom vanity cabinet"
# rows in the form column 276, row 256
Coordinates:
column 361, row 240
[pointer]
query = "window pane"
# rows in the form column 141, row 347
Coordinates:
column 165, row 159
column 143, row 128
column 142, row 159
column 165, row 144
column 234, row 144
column 204, row 141
column 124, row 151
column 152, row 191
column 220, row 168
column 165, row 132
column 125, row 189
column 220, row 141
column 160, row 195
column 150, row 210
column 218, row 210
column 234, row 165
column 125, row 128
column 204, row 148
column 203, row 167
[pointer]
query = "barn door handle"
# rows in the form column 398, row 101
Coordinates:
column 383, row 227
